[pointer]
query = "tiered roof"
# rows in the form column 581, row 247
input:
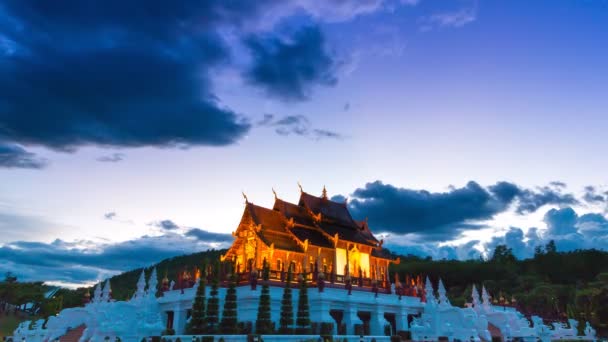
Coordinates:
column 316, row 219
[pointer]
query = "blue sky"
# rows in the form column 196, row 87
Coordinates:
column 128, row 131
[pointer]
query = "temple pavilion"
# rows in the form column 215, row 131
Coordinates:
column 316, row 236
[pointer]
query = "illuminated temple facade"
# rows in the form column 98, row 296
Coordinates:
column 316, row 235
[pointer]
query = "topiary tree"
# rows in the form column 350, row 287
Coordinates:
column 303, row 320
column 229, row 324
column 286, row 323
column 198, row 322
column 263, row 324
column 213, row 305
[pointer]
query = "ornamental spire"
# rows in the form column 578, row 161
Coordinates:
column 324, row 194
column 141, row 286
column 300, row 186
column 275, row 194
column 245, row 196
column 153, row 283
column 429, row 293
column 443, row 298
column 475, row 296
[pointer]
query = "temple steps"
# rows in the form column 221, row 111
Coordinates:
column 73, row 335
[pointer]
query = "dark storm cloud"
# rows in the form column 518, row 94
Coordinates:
column 136, row 73
column 207, row 236
column 116, row 73
column 289, row 68
column 15, row 156
column 443, row 216
column 112, row 158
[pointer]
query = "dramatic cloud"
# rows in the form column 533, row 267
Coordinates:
column 14, row 156
column 532, row 200
column 564, row 226
column 85, row 262
column 206, row 236
column 112, row 158
column 288, row 68
column 436, row 215
column 592, row 195
column 443, row 216
column 138, row 74
column 102, row 77
column 296, row 125
column 434, row 250
column 166, row 225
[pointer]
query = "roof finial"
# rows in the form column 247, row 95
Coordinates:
column 300, row 186
column 245, row 196
column 275, row 194
column 324, row 192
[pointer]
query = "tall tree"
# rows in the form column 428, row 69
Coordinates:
column 550, row 248
column 286, row 323
column 263, row 324
column 228, row 324
column 198, row 322
column 213, row 305
column 303, row 320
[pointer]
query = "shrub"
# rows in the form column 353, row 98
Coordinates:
column 263, row 324
column 198, row 324
column 303, row 320
column 245, row 328
column 286, row 322
column 229, row 316
column 213, row 305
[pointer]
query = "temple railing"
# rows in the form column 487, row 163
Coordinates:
column 338, row 281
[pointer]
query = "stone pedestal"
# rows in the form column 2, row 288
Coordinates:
column 377, row 323
column 350, row 319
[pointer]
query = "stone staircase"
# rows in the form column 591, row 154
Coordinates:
column 73, row 335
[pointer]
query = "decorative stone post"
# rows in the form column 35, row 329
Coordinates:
column 349, row 285
column 253, row 279
column 321, row 281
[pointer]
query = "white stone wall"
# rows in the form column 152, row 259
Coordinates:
column 320, row 304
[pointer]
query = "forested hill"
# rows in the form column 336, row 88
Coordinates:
column 124, row 284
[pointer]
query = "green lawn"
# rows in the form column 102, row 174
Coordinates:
column 9, row 323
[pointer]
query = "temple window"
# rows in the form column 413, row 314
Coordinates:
column 279, row 265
